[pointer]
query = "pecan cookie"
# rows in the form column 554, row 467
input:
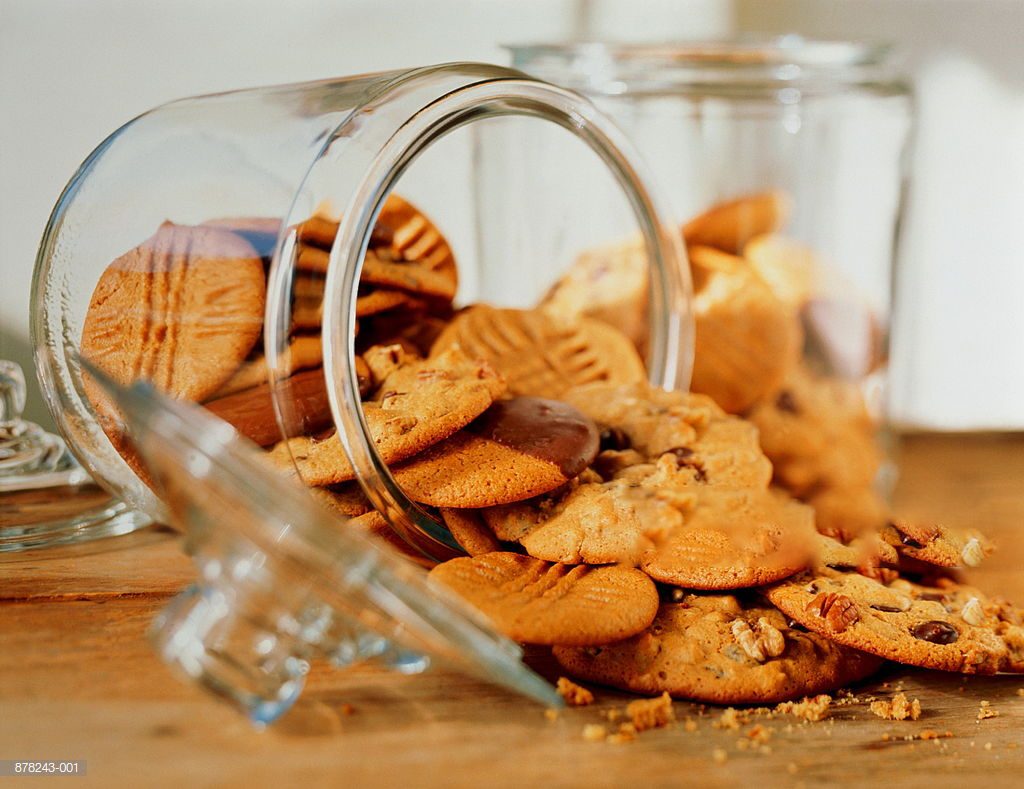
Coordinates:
column 949, row 627
column 541, row 355
column 418, row 403
column 543, row 603
column 935, row 544
column 720, row 649
column 518, row 448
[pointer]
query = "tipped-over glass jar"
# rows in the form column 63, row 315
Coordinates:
column 245, row 251
column 784, row 163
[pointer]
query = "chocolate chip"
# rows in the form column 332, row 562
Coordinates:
column 935, row 632
column 614, row 438
column 933, row 597
column 684, row 459
column 888, row 609
column 786, row 402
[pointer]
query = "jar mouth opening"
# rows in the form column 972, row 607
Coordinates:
column 772, row 62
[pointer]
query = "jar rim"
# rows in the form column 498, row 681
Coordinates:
column 751, row 62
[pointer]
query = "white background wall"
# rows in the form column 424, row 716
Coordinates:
column 73, row 70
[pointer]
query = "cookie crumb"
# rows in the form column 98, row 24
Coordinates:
column 613, row 714
column 759, row 734
column 729, row 719
column 651, row 713
column 897, row 709
column 626, row 733
column 595, row 732
column 574, row 695
column 810, row 709
column 719, row 756
column 551, row 714
column 988, row 746
column 985, row 711
column 690, row 725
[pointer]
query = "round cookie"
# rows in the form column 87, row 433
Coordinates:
column 720, row 649
column 729, row 225
column 540, row 355
column 789, row 267
column 304, row 353
column 182, row 310
column 950, row 628
column 418, row 404
column 470, row 531
column 609, row 284
column 517, row 449
column 747, row 339
column 346, row 498
column 734, row 539
column 935, row 544
column 845, row 512
column 375, row 525
column 542, row 603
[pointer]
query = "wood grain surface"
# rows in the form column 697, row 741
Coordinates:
column 79, row 680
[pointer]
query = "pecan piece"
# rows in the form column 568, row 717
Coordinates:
column 838, row 610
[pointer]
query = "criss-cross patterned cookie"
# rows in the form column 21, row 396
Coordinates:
column 541, row 355
column 417, row 404
column 182, row 310
column 406, row 251
column 949, row 627
column 543, row 603
column 720, row 649
column 518, row 448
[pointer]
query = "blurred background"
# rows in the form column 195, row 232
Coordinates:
column 71, row 72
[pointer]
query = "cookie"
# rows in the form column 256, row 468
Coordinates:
column 869, row 555
column 950, row 628
column 375, row 525
column 260, row 231
column 406, row 251
column 747, row 339
column 543, row 603
column 846, row 512
column 729, row 225
column 652, row 421
column 608, row 284
column 470, row 531
column 935, row 544
column 251, row 411
column 720, row 649
column 540, row 355
column 789, row 267
column 346, row 498
column 418, row 404
column 818, row 434
column 734, row 539
column 517, row 449
column 182, row 310
column 303, row 353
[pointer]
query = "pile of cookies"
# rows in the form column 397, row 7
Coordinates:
column 724, row 545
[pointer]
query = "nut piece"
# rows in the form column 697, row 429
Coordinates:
column 972, row 553
column 838, row 610
column 973, row 613
column 766, row 642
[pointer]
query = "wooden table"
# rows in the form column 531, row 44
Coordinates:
column 78, row 680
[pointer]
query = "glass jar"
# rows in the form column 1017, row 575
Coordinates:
column 232, row 192
column 784, row 162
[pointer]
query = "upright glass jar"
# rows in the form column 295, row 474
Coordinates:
column 216, row 246
column 784, row 162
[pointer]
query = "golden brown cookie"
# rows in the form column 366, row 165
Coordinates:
column 346, row 498
column 418, row 404
column 720, row 649
column 406, row 251
column 542, row 603
column 789, row 267
column 734, row 539
column 375, row 525
column 518, row 448
column 608, row 284
column 182, row 310
column 935, row 544
column 470, row 531
column 303, row 353
column 540, row 355
column 846, row 512
column 729, row 225
column 951, row 628
column 747, row 340
column 251, row 411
